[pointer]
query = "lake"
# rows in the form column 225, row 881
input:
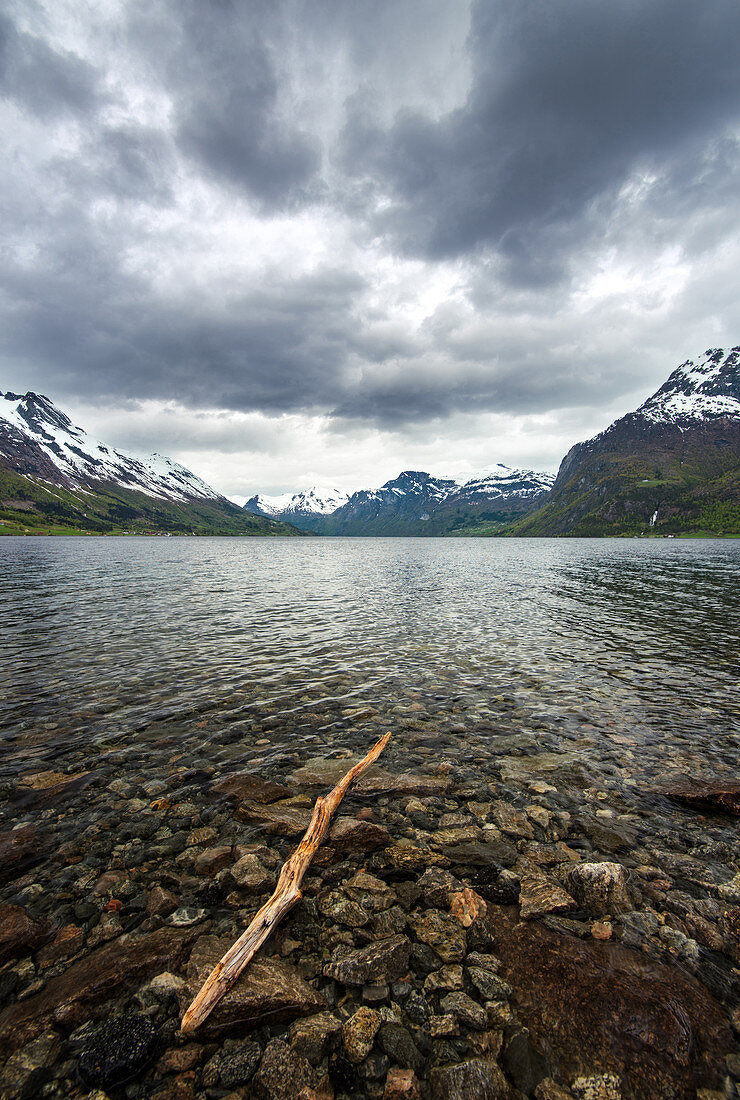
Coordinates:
column 553, row 690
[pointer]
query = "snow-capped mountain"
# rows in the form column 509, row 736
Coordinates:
column 37, row 439
column 672, row 466
column 308, row 502
column 415, row 502
column 55, row 478
column 705, row 389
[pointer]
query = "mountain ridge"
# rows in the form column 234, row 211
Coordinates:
column 53, row 475
column 670, row 467
column 418, row 503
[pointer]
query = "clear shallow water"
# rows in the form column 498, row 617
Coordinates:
column 573, row 644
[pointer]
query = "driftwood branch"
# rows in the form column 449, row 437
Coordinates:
column 286, row 894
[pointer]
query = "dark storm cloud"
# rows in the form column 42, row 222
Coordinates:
column 41, row 79
column 352, row 117
column 568, row 99
column 218, row 62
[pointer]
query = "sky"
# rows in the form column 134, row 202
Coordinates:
column 302, row 242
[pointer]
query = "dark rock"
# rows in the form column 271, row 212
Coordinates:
column 118, row 1051
column 282, row 1073
column 437, row 885
column 383, row 961
column 417, row 1009
column 465, row 1009
column 601, row 1004
column 489, row 986
column 442, row 933
column 600, row 888
column 92, row 980
column 20, row 934
column 20, row 849
column 314, row 1036
column 348, row 834
column 720, row 795
column 244, row 787
column 608, row 838
column 236, row 1062
column 395, row 1041
column 498, row 853
column 28, row 1070
column 212, row 860
column 472, row 1080
column 481, row 935
column 524, row 1065
column 268, row 990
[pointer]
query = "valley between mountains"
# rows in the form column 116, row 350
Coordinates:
column 671, row 467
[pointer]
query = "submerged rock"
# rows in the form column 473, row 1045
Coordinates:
column 118, row 1051
column 601, row 888
column 472, row 1080
column 709, row 795
column 540, row 895
column 246, row 787
column 19, row 933
column 268, row 990
column 384, row 961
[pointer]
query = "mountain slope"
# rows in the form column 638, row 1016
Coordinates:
column 53, row 476
column 670, row 467
column 415, row 503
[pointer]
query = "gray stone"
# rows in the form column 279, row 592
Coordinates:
column 282, row 1073
column 379, row 962
column 268, row 990
column 465, row 1009
column 396, row 1042
column 251, row 876
column 28, row 1069
column 236, row 1062
column 475, row 1079
column 490, row 987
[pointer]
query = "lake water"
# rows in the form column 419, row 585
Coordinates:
column 541, row 692
column 580, row 641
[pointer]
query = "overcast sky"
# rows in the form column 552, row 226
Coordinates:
column 321, row 242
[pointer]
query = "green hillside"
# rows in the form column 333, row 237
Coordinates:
column 27, row 506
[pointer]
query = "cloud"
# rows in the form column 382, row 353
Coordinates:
column 365, row 223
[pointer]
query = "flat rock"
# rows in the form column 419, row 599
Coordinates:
column 246, row 787
column 601, row 1008
column 381, row 962
column 19, row 849
column 99, row 977
column 312, row 1036
column 347, row 833
column 475, row 1079
column 20, row 934
column 267, row 991
column 382, row 782
column 289, row 817
column 715, row 795
column 540, row 895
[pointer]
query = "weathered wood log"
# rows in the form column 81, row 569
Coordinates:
column 286, row 894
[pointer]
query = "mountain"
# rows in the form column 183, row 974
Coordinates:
column 670, row 467
column 307, row 504
column 414, row 503
column 54, row 476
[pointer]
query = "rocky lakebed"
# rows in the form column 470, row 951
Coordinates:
column 490, row 916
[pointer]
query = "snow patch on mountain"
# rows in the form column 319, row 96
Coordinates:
column 702, row 389
column 307, row 502
column 32, row 420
